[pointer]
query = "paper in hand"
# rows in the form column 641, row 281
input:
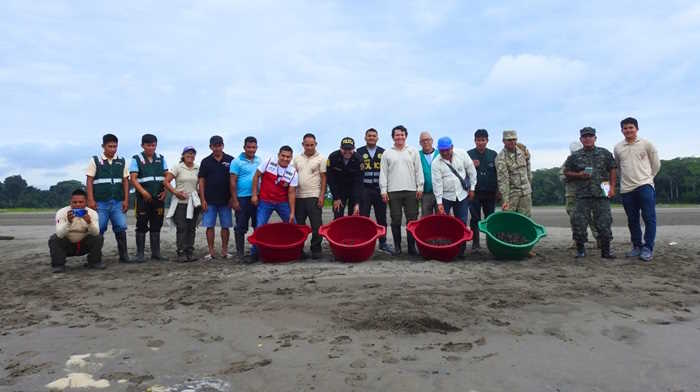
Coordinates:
column 605, row 186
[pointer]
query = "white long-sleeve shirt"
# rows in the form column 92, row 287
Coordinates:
column 78, row 229
column 400, row 170
column 445, row 184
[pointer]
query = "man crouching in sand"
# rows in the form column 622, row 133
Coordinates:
column 77, row 234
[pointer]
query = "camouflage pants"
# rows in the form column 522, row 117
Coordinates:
column 602, row 217
column 571, row 206
column 520, row 203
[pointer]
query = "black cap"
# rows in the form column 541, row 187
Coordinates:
column 216, row 139
column 347, row 143
column 587, row 131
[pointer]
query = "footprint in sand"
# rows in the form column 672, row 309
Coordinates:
column 624, row 334
column 456, row 347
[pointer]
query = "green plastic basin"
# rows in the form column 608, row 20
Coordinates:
column 510, row 222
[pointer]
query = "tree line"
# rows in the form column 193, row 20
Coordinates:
column 678, row 181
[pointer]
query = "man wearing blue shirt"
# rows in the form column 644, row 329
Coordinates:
column 241, row 182
column 147, row 172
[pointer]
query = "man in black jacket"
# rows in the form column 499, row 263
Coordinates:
column 344, row 173
column 371, row 156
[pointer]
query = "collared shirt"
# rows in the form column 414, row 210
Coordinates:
column 92, row 168
column 513, row 171
column 400, row 170
column 78, row 229
column 134, row 165
column 445, row 184
column 309, row 170
column 216, row 177
column 185, row 179
column 244, row 169
column 638, row 162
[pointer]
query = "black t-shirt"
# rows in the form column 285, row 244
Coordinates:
column 216, row 176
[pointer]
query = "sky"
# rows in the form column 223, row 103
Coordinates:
column 71, row 71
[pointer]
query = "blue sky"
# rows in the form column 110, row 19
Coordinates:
column 71, row 71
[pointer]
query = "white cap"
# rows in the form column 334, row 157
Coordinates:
column 575, row 146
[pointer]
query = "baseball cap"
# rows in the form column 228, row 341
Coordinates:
column 588, row 131
column 444, row 143
column 189, row 148
column 347, row 143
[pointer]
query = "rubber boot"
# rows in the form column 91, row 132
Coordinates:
column 240, row 244
column 155, row 247
column 411, row 244
column 605, row 250
column 580, row 250
column 140, row 247
column 121, row 247
column 396, row 234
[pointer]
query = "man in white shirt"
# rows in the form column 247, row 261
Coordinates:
column 638, row 163
column 401, row 185
column 77, row 234
column 454, row 181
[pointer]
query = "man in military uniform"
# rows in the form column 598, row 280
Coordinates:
column 344, row 173
column 514, row 175
column 371, row 155
column 593, row 171
column 570, row 195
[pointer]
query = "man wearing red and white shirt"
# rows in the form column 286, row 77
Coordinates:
column 274, row 189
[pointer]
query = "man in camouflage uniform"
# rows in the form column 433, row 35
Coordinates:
column 570, row 195
column 514, row 175
column 593, row 171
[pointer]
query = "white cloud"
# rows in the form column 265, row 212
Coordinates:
column 535, row 72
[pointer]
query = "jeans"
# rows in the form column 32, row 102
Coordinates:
column 248, row 212
column 483, row 201
column 641, row 199
column 223, row 211
column 265, row 209
column 111, row 210
column 149, row 215
column 460, row 209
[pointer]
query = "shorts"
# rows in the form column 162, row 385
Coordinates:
column 222, row 211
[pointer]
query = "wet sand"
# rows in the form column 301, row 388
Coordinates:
column 544, row 324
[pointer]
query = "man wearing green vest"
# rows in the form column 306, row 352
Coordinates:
column 427, row 155
column 108, row 191
column 147, row 174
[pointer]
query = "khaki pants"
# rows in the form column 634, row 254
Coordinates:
column 521, row 204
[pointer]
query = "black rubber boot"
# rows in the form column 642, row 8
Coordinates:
column 580, row 250
column 605, row 250
column 240, row 244
column 155, row 247
column 396, row 234
column 121, row 247
column 140, row 247
column 411, row 244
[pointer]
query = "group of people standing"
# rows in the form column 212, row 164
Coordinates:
column 430, row 180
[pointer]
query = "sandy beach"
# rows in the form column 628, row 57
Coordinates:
column 548, row 323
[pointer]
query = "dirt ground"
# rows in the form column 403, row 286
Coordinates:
column 544, row 324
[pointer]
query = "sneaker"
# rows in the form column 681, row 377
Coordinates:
column 386, row 248
column 190, row 258
column 646, row 254
column 58, row 269
column 181, row 258
column 636, row 251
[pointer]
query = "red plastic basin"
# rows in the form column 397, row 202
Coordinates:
column 352, row 238
column 442, row 228
column 278, row 242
